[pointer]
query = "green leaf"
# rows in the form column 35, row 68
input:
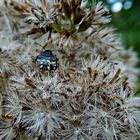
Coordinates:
column 57, row 27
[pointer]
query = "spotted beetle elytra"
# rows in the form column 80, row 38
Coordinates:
column 46, row 61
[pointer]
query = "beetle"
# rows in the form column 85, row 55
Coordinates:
column 47, row 61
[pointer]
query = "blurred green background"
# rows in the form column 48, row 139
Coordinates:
column 126, row 19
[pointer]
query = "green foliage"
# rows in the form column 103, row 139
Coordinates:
column 127, row 23
column 90, row 3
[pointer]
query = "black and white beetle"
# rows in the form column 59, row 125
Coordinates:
column 46, row 61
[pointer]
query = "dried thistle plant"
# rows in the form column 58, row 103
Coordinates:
column 89, row 97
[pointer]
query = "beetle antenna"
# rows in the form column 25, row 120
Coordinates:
column 39, row 44
column 44, row 46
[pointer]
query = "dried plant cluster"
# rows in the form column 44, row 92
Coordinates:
column 88, row 97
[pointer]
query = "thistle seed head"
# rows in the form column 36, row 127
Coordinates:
column 88, row 97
